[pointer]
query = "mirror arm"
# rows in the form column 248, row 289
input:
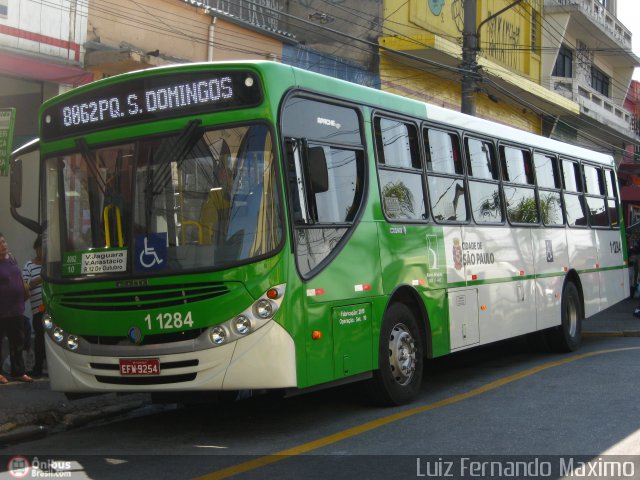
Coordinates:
column 27, row 222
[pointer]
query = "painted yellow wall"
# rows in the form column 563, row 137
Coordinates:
column 437, row 90
column 505, row 40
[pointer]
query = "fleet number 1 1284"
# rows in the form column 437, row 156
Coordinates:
column 168, row 321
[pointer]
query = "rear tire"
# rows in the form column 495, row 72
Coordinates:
column 567, row 336
column 398, row 378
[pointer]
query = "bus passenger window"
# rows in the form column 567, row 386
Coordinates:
column 484, row 188
column 549, row 183
column 447, row 192
column 612, row 197
column 519, row 191
column 595, row 196
column 574, row 208
column 399, row 170
column 443, row 152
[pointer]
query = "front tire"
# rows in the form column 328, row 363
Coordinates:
column 567, row 337
column 398, row 378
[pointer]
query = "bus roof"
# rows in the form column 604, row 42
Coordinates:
column 315, row 82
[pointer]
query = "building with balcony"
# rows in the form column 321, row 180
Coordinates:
column 587, row 58
column 422, row 56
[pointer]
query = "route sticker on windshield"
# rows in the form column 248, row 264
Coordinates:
column 151, row 251
column 92, row 262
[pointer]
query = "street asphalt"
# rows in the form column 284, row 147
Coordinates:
column 32, row 410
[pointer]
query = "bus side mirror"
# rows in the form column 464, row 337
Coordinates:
column 317, row 169
column 15, row 183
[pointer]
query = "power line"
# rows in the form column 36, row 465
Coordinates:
column 194, row 37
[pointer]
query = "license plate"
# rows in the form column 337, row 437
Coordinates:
column 139, row 366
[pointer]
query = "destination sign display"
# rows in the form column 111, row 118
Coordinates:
column 151, row 98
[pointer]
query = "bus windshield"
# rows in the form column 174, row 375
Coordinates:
column 198, row 199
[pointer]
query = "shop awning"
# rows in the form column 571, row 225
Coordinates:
column 22, row 66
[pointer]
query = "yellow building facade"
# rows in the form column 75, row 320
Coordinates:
column 429, row 35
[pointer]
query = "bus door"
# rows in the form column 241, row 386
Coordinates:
column 335, row 256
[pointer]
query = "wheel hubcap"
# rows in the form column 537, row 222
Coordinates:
column 402, row 354
column 571, row 312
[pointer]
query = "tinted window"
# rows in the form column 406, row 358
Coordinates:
column 516, row 165
column 397, row 144
column 597, row 211
column 551, row 208
column 612, row 192
column 399, row 170
column 486, row 205
column 574, row 210
column 593, row 180
column 571, row 176
column 546, row 171
column 402, row 195
column 481, row 159
column 447, row 199
column 304, row 118
column 443, row 152
column 521, row 204
column 341, row 200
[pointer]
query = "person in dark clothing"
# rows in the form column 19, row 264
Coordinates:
column 12, row 296
column 31, row 275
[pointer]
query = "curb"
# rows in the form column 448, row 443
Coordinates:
column 22, row 434
column 613, row 333
column 10, row 433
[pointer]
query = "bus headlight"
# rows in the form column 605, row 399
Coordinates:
column 242, row 325
column 218, row 335
column 72, row 342
column 264, row 308
column 47, row 321
column 254, row 317
column 58, row 334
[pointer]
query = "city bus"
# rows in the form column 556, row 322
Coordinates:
column 251, row 226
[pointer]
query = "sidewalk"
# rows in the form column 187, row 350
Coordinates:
column 616, row 321
column 32, row 410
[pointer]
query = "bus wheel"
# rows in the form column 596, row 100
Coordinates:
column 399, row 376
column 567, row 336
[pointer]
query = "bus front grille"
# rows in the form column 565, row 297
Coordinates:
column 127, row 299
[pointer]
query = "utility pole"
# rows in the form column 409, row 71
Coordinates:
column 470, row 49
column 469, row 53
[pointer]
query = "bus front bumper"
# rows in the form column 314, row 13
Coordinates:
column 263, row 360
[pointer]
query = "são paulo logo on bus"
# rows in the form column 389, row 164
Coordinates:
column 470, row 253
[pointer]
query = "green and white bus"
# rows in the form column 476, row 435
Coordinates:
column 249, row 226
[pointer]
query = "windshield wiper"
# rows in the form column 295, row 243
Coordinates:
column 92, row 163
column 178, row 151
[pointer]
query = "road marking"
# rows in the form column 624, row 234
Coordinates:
column 380, row 422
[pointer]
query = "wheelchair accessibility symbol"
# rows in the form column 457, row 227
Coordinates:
column 151, row 251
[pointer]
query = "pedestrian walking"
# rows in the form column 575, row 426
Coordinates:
column 13, row 293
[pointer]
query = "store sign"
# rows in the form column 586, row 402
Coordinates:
column 7, row 122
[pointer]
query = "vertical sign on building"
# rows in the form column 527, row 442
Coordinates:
column 7, row 121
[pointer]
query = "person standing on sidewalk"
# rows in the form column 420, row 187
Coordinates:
column 12, row 298
column 31, row 275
